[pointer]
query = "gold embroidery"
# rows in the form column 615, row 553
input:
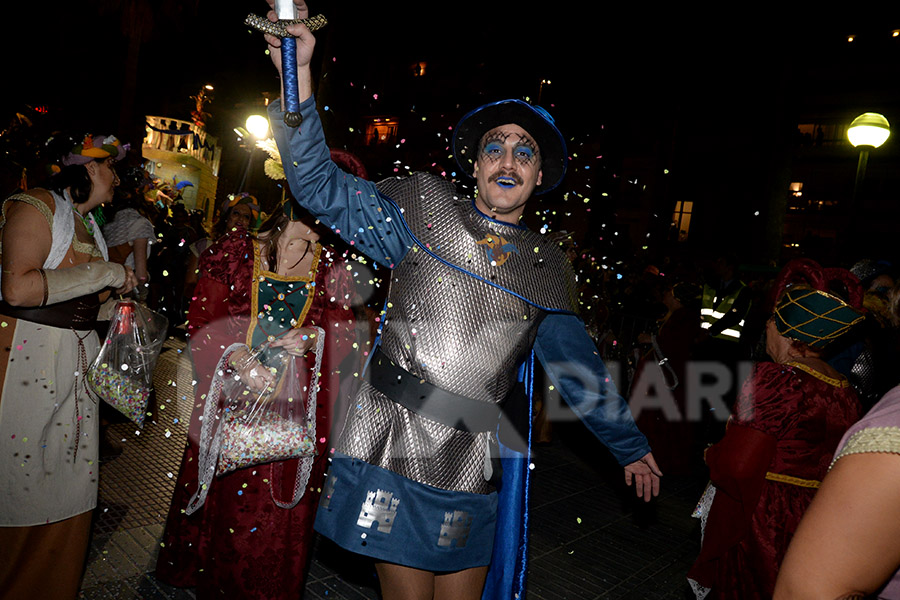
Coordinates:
column 32, row 201
column 258, row 274
column 841, row 383
column 85, row 248
column 807, row 483
column 871, row 439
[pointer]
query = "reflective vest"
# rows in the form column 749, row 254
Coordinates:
column 710, row 312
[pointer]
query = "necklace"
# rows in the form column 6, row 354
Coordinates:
column 86, row 222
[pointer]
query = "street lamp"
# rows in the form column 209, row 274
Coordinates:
column 541, row 89
column 258, row 127
column 866, row 132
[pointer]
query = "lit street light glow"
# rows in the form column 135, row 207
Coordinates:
column 258, row 126
column 869, row 129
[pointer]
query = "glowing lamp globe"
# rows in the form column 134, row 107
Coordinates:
column 258, row 126
column 869, row 129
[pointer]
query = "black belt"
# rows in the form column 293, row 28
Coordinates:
column 428, row 400
column 78, row 313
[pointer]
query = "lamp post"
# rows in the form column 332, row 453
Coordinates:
column 541, row 89
column 257, row 126
column 866, row 132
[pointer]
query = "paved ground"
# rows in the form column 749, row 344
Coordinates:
column 590, row 538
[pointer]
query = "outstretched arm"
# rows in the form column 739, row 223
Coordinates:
column 576, row 369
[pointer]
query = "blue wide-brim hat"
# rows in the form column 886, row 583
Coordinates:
column 814, row 317
column 533, row 119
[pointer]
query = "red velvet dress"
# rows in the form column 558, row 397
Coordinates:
column 240, row 544
column 789, row 421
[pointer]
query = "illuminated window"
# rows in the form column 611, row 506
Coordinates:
column 381, row 131
column 681, row 219
column 797, row 188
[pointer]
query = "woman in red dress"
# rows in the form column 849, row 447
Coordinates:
column 242, row 542
column 789, row 419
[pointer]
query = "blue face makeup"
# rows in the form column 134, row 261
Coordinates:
column 495, row 147
column 524, row 153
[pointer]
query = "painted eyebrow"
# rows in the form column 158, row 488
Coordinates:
column 501, row 137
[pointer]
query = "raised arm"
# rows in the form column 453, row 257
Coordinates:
column 351, row 206
column 306, row 43
column 576, row 369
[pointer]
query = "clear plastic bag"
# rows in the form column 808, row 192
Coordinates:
column 122, row 373
column 268, row 425
column 243, row 426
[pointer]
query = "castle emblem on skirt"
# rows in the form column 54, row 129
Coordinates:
column 456, row 526
column 380, row 507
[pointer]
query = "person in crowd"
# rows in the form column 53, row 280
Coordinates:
column 129, row 233
column 789, row 418
column 868, row 357
column 660, row 379
column 252, row 536
column 412, row 484
column 241, row 210
column 725, row 303
column 848, row 543
column 169, row 264
column 55, row 274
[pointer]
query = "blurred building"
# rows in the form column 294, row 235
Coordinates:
column 183, row 155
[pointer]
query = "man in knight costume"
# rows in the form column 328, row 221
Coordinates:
column 419, row 480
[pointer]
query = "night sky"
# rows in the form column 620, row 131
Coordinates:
column 609, row 62
column 708, row 95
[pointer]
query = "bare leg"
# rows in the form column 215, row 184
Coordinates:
column 460, row 585
column 405, row 583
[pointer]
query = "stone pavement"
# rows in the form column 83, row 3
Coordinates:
column 590, row 538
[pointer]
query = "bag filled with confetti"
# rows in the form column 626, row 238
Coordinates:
column 261, row 408
column 122, row 373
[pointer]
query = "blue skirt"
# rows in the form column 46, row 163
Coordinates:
column 378, row 513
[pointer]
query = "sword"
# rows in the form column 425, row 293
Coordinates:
column 287, row 15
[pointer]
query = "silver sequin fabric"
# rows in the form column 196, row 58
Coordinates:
column 454, row 330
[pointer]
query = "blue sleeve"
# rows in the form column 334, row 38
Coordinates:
column 574, row 366
column 350, row 206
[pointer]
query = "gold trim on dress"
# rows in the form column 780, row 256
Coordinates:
column 781, row 478
column 259, row 273
column 841, row 383
column 871, row 439
column 85, row 248
column 37, row 203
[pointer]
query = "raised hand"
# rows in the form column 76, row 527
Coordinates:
column 305, row 40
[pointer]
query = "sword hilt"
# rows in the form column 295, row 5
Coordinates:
column 279, row 28
column 292, row 117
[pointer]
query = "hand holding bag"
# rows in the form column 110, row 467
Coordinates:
column 122, row 373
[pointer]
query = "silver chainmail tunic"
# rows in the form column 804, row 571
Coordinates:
column 454, row 331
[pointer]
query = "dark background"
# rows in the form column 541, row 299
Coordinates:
column 709, row 95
